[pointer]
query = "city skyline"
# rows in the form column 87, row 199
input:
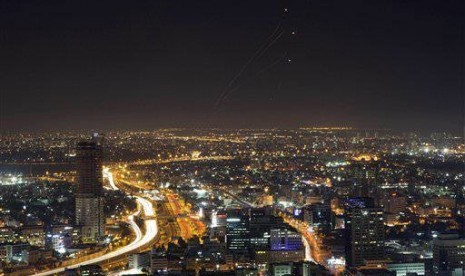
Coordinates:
column 325, row 201
column 246, row 138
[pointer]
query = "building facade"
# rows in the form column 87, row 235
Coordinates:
column 89, row 194
column 364, row 227
column 448, row 253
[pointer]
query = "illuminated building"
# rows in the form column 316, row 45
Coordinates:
column 14, row 251
column 285, row 239
column 139, row 260
column 89, row 195
column 12, row 179
column 242, row 271
column 394, row 203
column 218, row 225
column 281, row 269
column 91, row 270
column 318, row 214
column 237, row 231
column 218, row 219
column 448, row 253
column 364, row 227
column 271, row 240
column 297, row 268
column 89, row 166
column 59, row 242
column 364, row 172
column 285, row 245
column 285, row 248
column 6, row 235
column 403, row 269
column 313, row 200
column 158, row 262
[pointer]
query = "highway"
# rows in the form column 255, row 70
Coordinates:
column 308, row 251
column 188, row 225
column 140, row 240
column 313, row 250
column 109, row 175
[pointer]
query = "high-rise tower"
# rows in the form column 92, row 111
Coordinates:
column 89, row 194
column 364, row 227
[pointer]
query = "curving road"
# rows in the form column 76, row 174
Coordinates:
column 140, row 241
column 109, row 175
column 308, row 250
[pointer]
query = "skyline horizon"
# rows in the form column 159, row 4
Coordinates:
column 91, row 131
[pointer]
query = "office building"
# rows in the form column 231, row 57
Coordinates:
column 364, row 231
column 237, row 231
column 218, row 218
column 297, row 268
column 89, row 194
column 285, row 239
column 281, row 269
column 318, row 215
column 448, row 253
column 404, row 269
column 139, row 260
column 277, row 245
column 394, row 203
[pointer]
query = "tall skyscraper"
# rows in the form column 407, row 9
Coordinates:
column 89, row 194
column 364, row 232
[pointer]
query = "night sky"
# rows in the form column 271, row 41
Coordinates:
column 151, row 64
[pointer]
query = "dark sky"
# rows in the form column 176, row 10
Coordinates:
column 149, row 64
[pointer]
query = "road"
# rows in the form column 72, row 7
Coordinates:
column 304, row 234
column 307, row 240
column 109, row 175
column 140, row 241
column 317, row 253
column 131, row 271
column 188, row 225
column 238, row 199
column 308, row 251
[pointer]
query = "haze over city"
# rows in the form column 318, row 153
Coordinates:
column 232, row 138
column 149, row 64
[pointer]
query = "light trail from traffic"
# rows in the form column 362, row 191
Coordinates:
column 131, row 271
column 308, row 250
column 151, row 230
column 109, row 176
